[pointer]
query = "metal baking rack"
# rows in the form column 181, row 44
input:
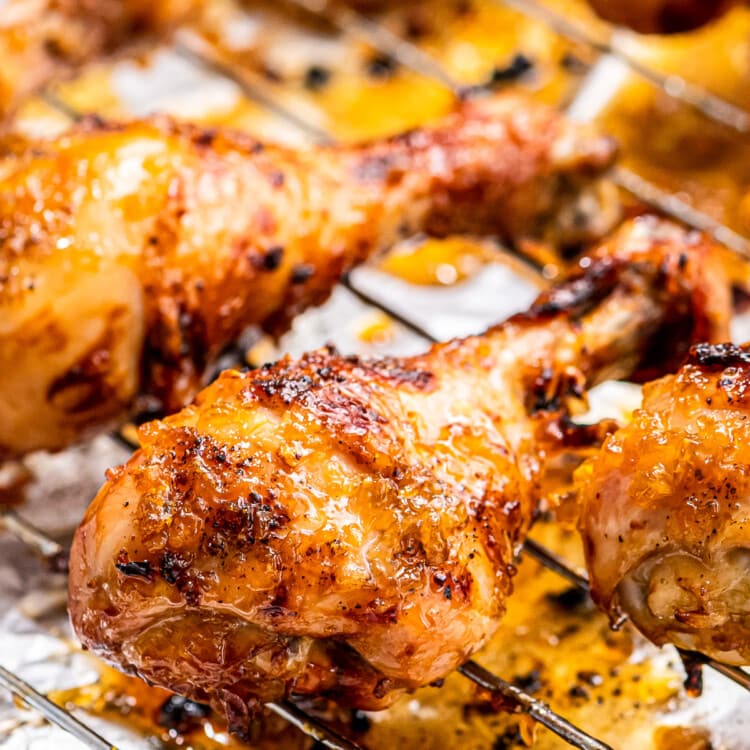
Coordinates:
column 356, row 25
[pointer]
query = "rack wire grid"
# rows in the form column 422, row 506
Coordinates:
column 355, row 25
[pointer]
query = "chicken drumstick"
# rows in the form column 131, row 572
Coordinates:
column 664, row 508
column 349, row 527
column 131, row 255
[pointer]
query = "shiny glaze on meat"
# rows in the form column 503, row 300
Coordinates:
column 349, row 527
column 665, row 508
column 131, row 255
column 42, row 41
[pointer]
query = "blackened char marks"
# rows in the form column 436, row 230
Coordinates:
column 205, row 137
column 173, row 566
column 579, row 295
column 86, row 385
column 287, row 386
column 718, row 356
column 134, row 568
column 270, row 259
column 549, row 390
column 191, row 446
column 177, row 570
column 294, row 382
column 236, row 527
column 399, row 374
column 301, row 272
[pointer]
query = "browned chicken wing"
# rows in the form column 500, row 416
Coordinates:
column 131, row 255
column 661, row 16
column 42, row 41
column 349, row 527
column 665, row 508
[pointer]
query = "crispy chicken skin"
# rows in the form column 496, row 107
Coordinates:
column 42, row 41
column 132, row 255
column 661, row 16
column 665, row 508
column 349, row 527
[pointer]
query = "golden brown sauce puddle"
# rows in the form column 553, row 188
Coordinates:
column 476, row 41
column 92, row 91
column 676, row 148
column 449, row 261
column 716, row 57
column 376, row 328
column 145, row 709
column 673, row 145
column 682, row 738
column 439, row 262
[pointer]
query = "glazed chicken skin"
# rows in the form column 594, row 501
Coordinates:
column 132, row 255
column 665, row 508
column 661, row 16
column 42, row 41
column 348, row 527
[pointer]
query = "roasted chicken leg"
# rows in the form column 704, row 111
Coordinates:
column 349, row 527
column 131, row 255
column 664, row 508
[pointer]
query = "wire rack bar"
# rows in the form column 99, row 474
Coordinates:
column 556, row 564
column 539, row 552
column 714, row 107
column 736, row 674
column 48, row 549
column 54, row 101
column 204, row 55
column 673, row 206
column 368, row 299
column 52, row 712
column 412, row 57
column 537, row 709
column 65, row 720
column 359, row 26
column 310, row 726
